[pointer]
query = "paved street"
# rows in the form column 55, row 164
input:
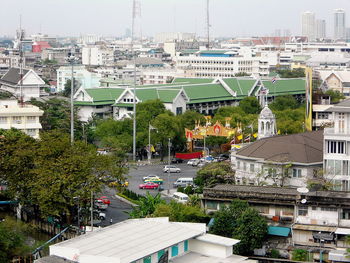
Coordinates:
column 135, row 176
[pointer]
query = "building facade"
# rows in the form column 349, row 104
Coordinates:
column 339, row 24
column 308, row 25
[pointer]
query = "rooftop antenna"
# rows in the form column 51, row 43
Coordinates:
column 208, row 26
column 20, row 39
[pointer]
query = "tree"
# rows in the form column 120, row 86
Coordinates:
column 242, row 222
column 284, row 103
column 299, row 255
column 335, row 95
column 178, row 212
column 147, row 206
column 279, row 174
column 294, row 73
column 68, row 86
column 250, row 105
column 13, row 240
column 214, row 173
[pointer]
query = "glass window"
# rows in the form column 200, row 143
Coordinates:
column 251, row 167
column 296, row 173
column 3, row 119
column 17, row 119
column 147, row 259
column 329, row 209
column 31, row 119
column 160, row 254
column 244, row 166
column 302, row 210
column 212, row 205
column 345, row 214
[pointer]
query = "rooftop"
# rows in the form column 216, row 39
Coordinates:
column 13, row 76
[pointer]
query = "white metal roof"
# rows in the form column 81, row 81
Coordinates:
column 132, row 239
column 209, row 238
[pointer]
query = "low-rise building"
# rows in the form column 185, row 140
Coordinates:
column 337, row 80
column 316, row 221
column 25, row 118
column 28, row 84
column 149, row 240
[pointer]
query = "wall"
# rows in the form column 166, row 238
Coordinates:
column 209, row 249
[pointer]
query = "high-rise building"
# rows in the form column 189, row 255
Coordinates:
column 339, row 24
column 308, row 25
column 320, row 28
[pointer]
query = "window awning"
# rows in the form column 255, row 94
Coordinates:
column 314, row 228
column 342, row 231
column 278, row 231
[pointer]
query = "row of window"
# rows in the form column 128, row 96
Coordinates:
column 18, row 119
column 128, row 100
column 337, row 167
column 345, row 213
column 336, row 147
column 174, row 251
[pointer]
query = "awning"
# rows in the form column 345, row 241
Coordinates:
column 338, row 255
column 278, row 231
column 314, row 228
column 342, row 231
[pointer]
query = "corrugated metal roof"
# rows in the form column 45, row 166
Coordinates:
column 314, row 228
column 13, row 76
column 214, row 239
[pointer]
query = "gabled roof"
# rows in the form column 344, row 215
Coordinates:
column 13, row 76
column 192, row 80
column 201, row 93
column 242, row 87
column 296, row 148
column 285, row 86
column 104, row 94
column 167, row 95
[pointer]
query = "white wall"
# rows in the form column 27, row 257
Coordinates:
column 209, row 249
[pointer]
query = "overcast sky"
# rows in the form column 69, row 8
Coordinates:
column 112, row 17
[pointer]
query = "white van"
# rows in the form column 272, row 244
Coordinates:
column 183, row 182
column 180, row 197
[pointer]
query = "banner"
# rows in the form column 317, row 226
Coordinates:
column 308, row 99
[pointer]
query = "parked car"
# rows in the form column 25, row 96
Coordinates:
column 105, row 200
column 156, row 180
column 119, row 184
column 149, row 185
column 190, row 162
column 99, row 204
column 201, row 164
column 98, row 214
column 171, row 168
column 150, row 176
column 196, row 162
column 183, row 182
column 180, row 197
column 222, row 157
column 177, row 160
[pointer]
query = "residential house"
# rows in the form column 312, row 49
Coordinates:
column 289, row 160
column 337, row 80
column 149, row 240
column 316, row 221
column 28, row 84
column 25, row 118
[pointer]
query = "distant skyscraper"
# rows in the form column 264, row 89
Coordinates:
column 348, row 33
column 308, row 25
column 320, row 28
column 339, row 24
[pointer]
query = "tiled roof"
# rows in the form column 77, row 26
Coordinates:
column 297, row 148
column 13, row 76
column 285, row 86
column 104, row 94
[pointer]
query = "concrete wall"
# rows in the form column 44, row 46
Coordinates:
column 209, row 249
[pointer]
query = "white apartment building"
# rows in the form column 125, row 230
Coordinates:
column 222, row 63
column 337, row 147
column 97, row 56
column 339, row 24
column 161, row 76
column 308, row 25
column 85, row 78
column 308, row 47
column 25, row 118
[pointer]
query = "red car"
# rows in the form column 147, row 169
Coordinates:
column 105, row 200
column 149, row 185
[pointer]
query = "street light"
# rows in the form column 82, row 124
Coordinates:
column 169, row 144
column 72, row 59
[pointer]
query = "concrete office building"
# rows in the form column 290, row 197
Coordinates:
column 308, row 25
column 339, row 24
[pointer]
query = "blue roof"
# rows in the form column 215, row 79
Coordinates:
column 278, row 231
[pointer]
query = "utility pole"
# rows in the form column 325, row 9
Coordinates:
column 169, row 144
column 149, row 143
column 92, row 211
column 71, row 102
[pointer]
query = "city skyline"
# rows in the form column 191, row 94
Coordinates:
column 112, row 18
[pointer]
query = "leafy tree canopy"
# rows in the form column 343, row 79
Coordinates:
column 335, row 95
column 250, row 105
column 284, row 103
column 294, row 73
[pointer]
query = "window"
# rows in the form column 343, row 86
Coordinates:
column 160, row 254
column 31, row 132
column 238, row 165
column 212, row 205
column 329, row 209
column 3, row 120
column 251, row 168
column 345, row 214
column 341, row 122
column 296, row 173
column 336, row 147
column 186, row 245
column 244, row 166
column 147, row 259
column 31, row 119
column 17, row 120
column 302, row 210
column 174, row 250
column 178, row 110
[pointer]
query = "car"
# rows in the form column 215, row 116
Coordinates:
column 201, row 164
column 171, row 169
column 99, row 204
column 149, row 185
column 191, row 161
column 196, row 162
column 183, row 182
column 177, row 160
column 105, row 200
column 119, row 184
column 154, row 180
column 150, row 176
column 180, row 197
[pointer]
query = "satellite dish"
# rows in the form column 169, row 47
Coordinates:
column 303, row 201
column 303, row 190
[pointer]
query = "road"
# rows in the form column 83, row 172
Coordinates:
column 135, row 176
column 117, row 210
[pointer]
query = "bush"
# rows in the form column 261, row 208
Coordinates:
column 299, row 255
column 275, row 253
column 132, row 195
